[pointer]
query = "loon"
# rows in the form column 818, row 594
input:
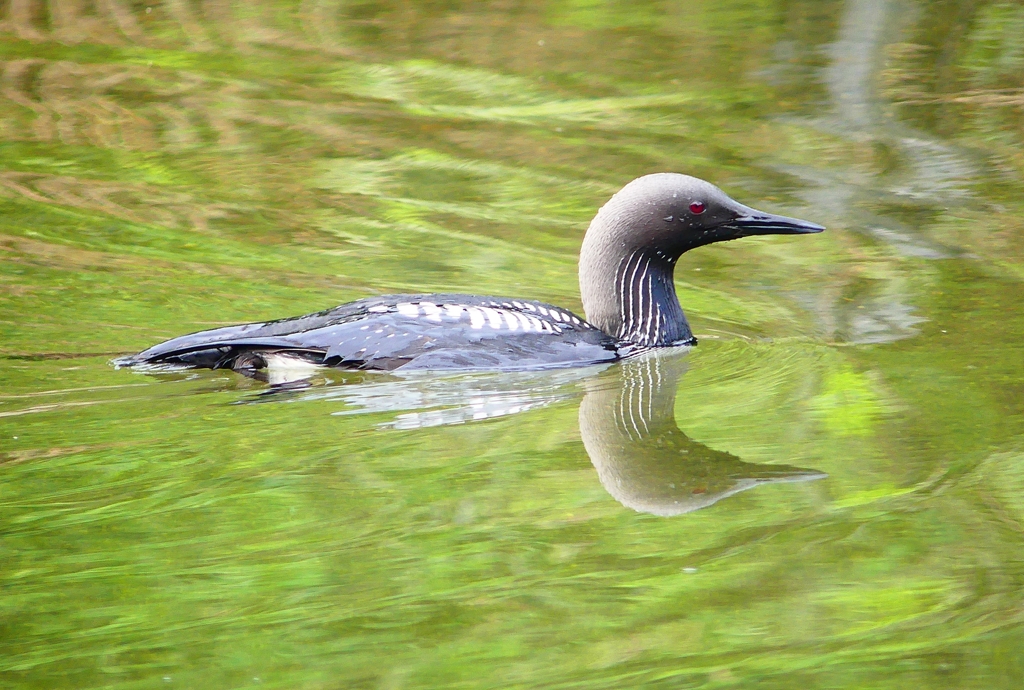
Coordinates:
column 626, row 269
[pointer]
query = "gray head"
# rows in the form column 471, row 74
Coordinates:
column 631, row 247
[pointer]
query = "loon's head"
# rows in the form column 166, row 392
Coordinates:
column 631, row 246
column 674, row 213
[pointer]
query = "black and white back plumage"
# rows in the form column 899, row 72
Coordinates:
column 430, row 331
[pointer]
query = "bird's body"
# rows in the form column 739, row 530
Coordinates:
column 432, row 331
column 626, row 282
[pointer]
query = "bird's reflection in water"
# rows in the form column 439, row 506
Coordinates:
column 626, row 417
column 425, row 399
column 627, row 421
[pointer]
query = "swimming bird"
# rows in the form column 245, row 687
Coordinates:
column 626, row 269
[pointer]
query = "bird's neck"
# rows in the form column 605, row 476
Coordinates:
column 631, row 294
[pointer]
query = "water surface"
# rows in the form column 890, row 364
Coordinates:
column 826, row 492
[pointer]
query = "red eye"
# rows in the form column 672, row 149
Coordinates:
column 697, row 207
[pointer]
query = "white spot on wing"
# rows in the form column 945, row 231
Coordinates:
column 476, row 317
column 453, row 311
column 408, row 309
column 431, row 311
column 511, row 320
column 493, row 317
column 378, row 309
column 524, row 322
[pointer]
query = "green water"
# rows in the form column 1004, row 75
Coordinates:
column 189, row 163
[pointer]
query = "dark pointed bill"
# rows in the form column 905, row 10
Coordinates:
column 758, row 223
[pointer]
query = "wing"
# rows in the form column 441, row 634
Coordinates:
column 437, row 331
